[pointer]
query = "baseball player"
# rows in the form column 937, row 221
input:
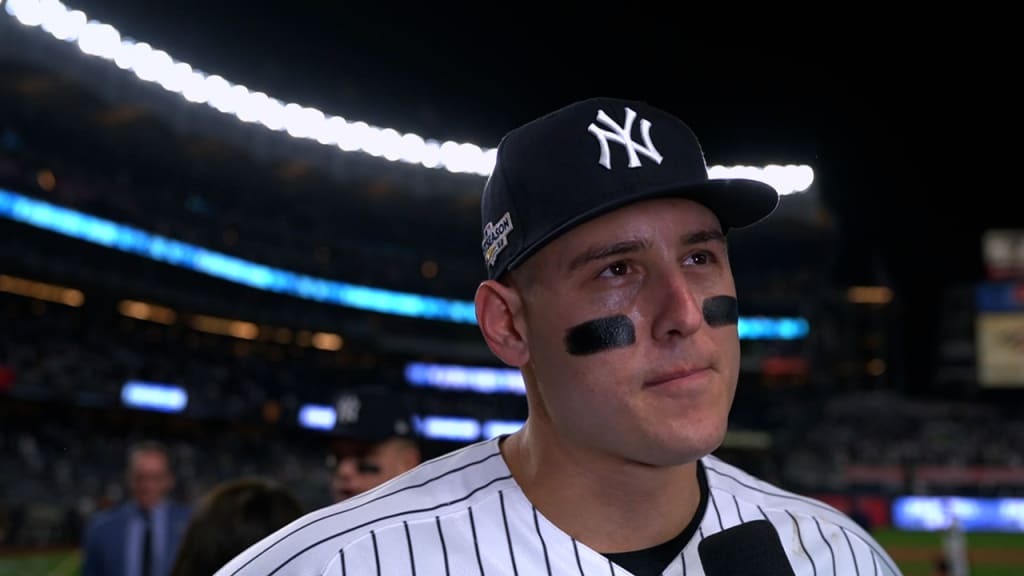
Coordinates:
column 609, row 286
column 378, row 442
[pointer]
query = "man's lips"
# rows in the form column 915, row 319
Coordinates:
column 676, row 376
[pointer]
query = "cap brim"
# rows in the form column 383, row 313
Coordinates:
column 737, row 202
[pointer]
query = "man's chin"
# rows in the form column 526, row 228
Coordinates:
column 691, row 449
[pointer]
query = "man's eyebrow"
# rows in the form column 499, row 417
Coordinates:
column 607, row 250
column 702, row 236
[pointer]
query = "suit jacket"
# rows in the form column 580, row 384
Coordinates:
column 113, row 540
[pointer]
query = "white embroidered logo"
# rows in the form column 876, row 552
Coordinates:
column 496, row 238
column 623, row 135
column 348, row 409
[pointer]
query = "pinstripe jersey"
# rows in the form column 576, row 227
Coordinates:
column 463, row 513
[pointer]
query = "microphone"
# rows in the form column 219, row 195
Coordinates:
column 749, row 548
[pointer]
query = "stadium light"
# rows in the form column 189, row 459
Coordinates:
column 237, row 270
column 136, row 241
column 452, row 428
column 153, row 65
column 317, row 417
column 479, row 379
column 154, row 396
column 495, row 428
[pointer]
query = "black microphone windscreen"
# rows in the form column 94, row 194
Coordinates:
column 749, row 548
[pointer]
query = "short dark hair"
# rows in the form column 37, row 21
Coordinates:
column 231, row 517
column 148, row 446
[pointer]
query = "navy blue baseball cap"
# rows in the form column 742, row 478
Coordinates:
column 592, row 157
column 373, row 415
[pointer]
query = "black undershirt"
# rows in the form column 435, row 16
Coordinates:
column 652, row 561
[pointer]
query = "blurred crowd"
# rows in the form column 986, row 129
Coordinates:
column 330, row 234
column 899, row 445
column 57, row 478
column 63, row 375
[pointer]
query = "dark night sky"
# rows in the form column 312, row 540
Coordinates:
column 890, row 121
column 900, row 119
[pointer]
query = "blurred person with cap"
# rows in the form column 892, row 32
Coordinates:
column 609, row 287
column 376, row 443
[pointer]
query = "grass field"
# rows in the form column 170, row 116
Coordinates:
column 915, row 552
column 49, row 563
column 990, row 554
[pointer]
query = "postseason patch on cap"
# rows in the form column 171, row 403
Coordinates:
column 496, row 238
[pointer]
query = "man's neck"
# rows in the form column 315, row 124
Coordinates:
column 608, row 504
column 151, row 509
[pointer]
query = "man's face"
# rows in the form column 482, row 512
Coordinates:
column 631, row 352
column 149, row 478
column 360, row 471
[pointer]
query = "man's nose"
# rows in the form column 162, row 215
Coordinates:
column 347, row 466
column 677, row 308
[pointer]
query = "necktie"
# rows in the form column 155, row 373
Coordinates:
column 147, row 545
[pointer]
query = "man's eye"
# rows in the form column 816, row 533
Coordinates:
column 616, row 269
column 699, row 259
column 368, row 468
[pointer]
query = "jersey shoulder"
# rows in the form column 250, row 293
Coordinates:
column 309, row 543
column 747, row 488
column 753, row 498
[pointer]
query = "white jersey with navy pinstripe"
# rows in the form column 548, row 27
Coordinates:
column 464, row 514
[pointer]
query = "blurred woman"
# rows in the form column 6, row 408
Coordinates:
column 230, row 517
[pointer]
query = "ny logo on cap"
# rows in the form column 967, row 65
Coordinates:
column 347, row 408
column 623, row 135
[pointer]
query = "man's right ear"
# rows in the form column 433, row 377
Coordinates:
column 499, row 310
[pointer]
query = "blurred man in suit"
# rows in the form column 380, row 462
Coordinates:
column 140, row 537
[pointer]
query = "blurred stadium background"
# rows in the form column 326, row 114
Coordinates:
column 220, row 259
